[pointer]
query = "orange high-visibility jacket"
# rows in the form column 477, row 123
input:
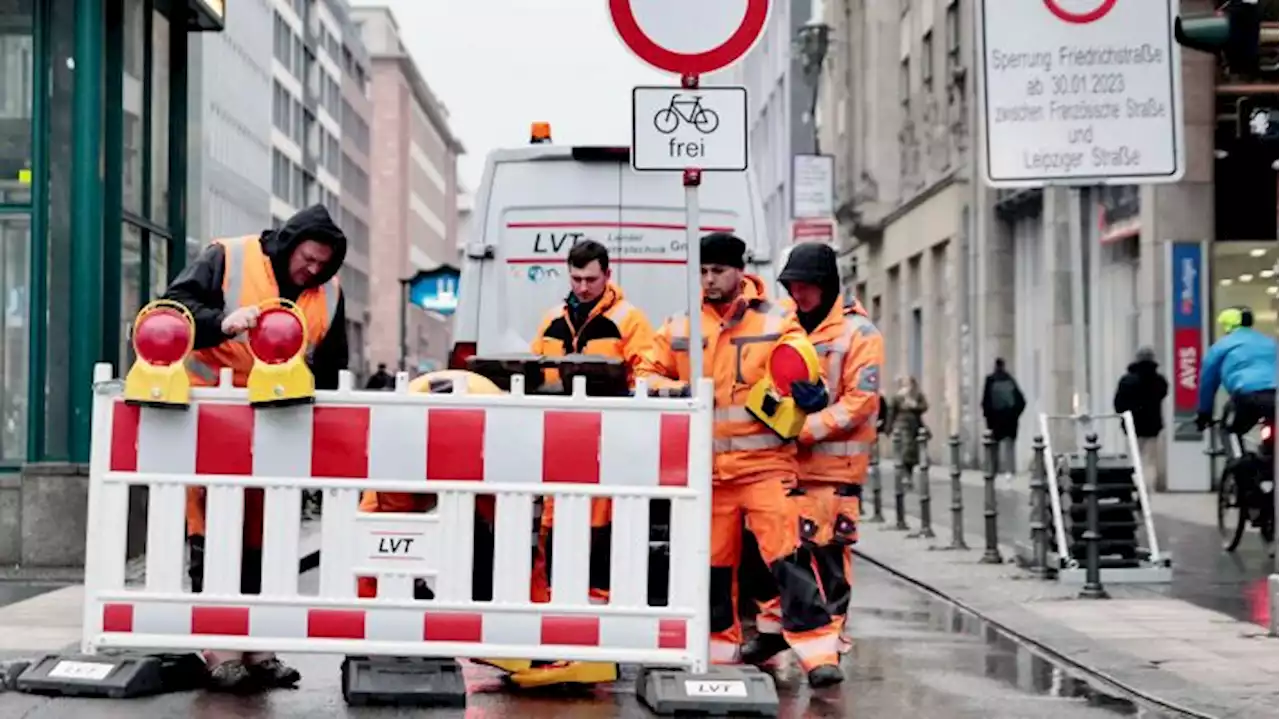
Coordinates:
column 835, row 445
column 738, row 345
column 615, row 328
column 248, row 279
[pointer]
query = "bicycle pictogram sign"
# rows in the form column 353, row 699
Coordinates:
column 686, row 108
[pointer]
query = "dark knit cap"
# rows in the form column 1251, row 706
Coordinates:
column 723, row 248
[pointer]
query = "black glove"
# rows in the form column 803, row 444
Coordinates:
column 1203, row 420
column 810, row 397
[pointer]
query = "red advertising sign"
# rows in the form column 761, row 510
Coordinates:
column 1186, row 357
column 813, row 231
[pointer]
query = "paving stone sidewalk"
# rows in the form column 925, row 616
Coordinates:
column 1195, row 661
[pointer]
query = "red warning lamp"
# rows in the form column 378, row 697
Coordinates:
column 163, row 335
column 539, row 133
column 278, row 342
column 770, row 401
column 788, row 364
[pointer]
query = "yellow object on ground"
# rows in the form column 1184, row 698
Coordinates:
column 565, row 673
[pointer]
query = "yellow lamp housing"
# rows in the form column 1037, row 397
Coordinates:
column 796, row 360
column 280, row 375
column 164, row 333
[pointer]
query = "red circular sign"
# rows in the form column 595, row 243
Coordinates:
column 701, row 63
column 1080, row 18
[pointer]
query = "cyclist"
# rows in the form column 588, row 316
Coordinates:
column 1244, row 363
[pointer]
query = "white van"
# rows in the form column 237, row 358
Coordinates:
column 535, row 202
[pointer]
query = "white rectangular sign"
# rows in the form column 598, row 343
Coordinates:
column 92, row 671
column 736, row 689
column 813, row 188
column 1080, row 92
column 674, row 128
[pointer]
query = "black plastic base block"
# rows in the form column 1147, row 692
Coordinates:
column 397, row 681
column 722, row 691
column 114, row 676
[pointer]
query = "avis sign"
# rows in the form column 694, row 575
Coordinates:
column 1186, row 283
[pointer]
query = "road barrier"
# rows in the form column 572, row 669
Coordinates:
column 457, row 447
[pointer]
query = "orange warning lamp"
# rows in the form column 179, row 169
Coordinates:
column 164, row 333
column 770, row 401
column 539, row 133
column 278, row 342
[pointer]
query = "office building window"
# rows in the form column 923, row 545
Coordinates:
column 280, row 175
column 904, row 84
column 282, row 109
column 355, row 180
column 926, row 62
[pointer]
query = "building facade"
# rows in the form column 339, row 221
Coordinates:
column 780, row 117
column 957, row 274
column 319, row 72
column 414, row 190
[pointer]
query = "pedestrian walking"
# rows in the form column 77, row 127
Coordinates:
column 907, row 416
column 1141, row 391
column 381, row 379
column 1002, row 406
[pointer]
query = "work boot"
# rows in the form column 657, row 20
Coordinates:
column 275, row 674
column 825, row 676
column 762, row 648
column 232, row 677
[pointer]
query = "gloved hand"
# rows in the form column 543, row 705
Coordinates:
column 810, row 397
column 1203, row 420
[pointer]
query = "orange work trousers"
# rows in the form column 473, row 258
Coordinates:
column 771, row 518
column 827, row 516
column 598, row 582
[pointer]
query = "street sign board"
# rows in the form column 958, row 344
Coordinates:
column 813, row 230
column 689, row 38
column 813, row 186
column 674, row 128
column 1079, row 92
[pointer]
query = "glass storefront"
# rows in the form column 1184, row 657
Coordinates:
column 1244, row 273
column 73, row 201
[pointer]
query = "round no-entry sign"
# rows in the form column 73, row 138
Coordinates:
column 1080, row 12
column 689, row 37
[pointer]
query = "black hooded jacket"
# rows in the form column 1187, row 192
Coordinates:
column 1141, row 391
column 199, row 287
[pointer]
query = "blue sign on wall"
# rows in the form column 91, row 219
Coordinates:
column 436, row 291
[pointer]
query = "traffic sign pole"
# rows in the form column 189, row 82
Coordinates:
column 692, row 225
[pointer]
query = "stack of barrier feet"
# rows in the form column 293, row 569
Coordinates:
column 1119, row 512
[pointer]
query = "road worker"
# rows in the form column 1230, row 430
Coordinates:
column 222, row 289
column 835, row 445
column 752, row 466
column 595, row 319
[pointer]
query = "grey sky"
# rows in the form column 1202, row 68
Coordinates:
column 500, row 65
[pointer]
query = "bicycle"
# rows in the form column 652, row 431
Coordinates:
column 1246, row 484
column 668, row 119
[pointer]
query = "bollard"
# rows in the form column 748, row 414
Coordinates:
column 899, row 483
column 957, row 497
column 926, row 501
column 877, row 509
column 1039, row 510
column 1092, row 569
column 989, row 449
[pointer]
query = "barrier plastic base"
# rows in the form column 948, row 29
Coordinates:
column 403, row 681
column 722, row 691
column 115, row 676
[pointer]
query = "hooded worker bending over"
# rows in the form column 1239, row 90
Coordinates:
column 752, row 466
column 222, row 289
column 835, row 445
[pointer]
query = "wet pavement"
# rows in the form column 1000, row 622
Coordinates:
column 1232, row 583
column 16, row 591
column 913, row 656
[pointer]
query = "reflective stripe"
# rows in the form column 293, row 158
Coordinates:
column 821, row 430
column 747, row 443
column 331, row 295
column 842, row 449
column 234, row 273
column 732, row 414
column 201, row 369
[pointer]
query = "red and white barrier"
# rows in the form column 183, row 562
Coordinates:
column 515, row 447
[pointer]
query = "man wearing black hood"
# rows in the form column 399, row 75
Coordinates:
column 833, row 449
column 223, row 289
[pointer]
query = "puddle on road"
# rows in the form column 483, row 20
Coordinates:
column 925, row 630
